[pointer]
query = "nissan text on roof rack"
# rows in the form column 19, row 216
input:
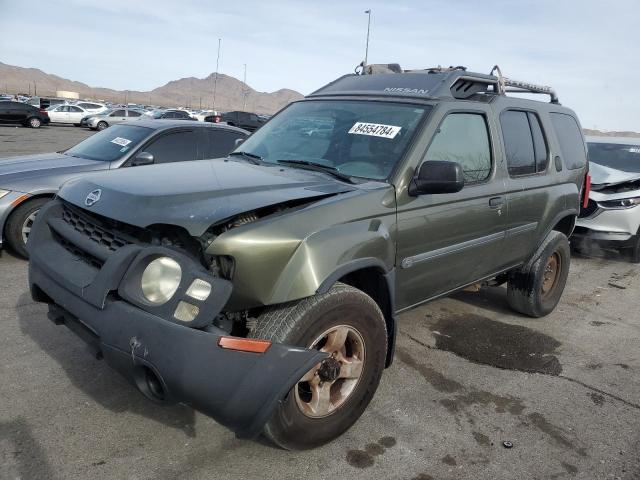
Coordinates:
column 264, row 289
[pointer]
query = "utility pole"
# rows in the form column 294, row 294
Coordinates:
column 35, row 89
column 244, row 90
column 366, row 51
column 215, row 78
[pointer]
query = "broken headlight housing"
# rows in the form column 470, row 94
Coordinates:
column 620, row 204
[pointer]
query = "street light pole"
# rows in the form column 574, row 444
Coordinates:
column 215, row 78
column 366, row 51
column 244, row 89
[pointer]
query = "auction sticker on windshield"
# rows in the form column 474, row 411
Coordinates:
column 123, row 142
column 375, row 130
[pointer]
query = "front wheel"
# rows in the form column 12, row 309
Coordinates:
column 535, row 289
column 634, row 250
column 19, row 225
column 101, row 126
column 348, row 325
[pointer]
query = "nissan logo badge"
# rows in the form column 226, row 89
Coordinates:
column 93, row 197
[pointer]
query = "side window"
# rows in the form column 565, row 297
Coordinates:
column 75, row 109
column 174, row 147
column 464, row 138
column 524, row 143
column 118, row 113
column 571, row 141
column 220, row 143
column 133, row 113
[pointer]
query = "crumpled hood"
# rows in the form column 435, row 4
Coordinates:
column 21, row 173
column 601, row 175
column 195, row 195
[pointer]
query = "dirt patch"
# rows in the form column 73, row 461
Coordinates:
column 436, row 379
column 596, row 398
column 482, row 439
column 449, row 460
column 365, row 458
column 498, row 344
column 541, row 423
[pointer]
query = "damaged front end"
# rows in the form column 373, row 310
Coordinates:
column 161, row 336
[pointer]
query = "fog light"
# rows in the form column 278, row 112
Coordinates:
column 199, row 289
column 185, row 312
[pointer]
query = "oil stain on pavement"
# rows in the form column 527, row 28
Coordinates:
column 365, row 458
column 482, row 340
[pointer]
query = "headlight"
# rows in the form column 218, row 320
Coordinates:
column 3, row 193
column 160, row 280
column 621, row 204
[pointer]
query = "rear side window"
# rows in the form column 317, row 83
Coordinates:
column 220, row 143
column 133, row 113
column 571, row 142
column 178, row 146
column 473, row 153
column 524, row 143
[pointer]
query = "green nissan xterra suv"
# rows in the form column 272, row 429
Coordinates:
column 263, row 288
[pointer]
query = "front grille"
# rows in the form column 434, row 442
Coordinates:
column 591, row 208
column 91, row 229
column 78, row 252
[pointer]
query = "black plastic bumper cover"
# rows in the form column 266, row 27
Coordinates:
column 240, row 390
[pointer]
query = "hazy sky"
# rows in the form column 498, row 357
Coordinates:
column 587, row 49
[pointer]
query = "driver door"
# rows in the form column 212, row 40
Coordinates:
column 448, row 240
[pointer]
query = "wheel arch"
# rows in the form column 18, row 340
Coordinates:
column 371, row 277
column 565, row 222
column 25, row 199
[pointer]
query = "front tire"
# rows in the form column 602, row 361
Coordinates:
column 19, row 225
column 634, row 250
column 346, row 323
column 101, row 126
column 535, row 288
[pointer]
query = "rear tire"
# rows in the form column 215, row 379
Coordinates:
column 34, row 122
column 535, row 288
column 19, row 225
column 101, row 126
column 306, row 418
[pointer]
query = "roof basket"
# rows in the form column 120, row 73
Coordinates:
column 521, row 87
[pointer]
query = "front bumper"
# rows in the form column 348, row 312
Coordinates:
column 166, row 361
column 610, row 225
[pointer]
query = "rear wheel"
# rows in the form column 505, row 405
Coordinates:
column 101, row 126
column 348, row 325
column 34, row 122
column 19, row 225
column 535, row 289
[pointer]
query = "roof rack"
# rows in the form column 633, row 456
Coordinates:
column 465, row 84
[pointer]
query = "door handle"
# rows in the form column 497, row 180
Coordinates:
column 496, row 202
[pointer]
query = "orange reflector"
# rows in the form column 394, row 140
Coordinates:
column 20, row 199
column 244, row 344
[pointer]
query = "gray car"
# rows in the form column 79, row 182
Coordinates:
column 27, row 182
column 110, row 117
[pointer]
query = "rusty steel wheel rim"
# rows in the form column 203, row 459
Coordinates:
column 551, row 274
column 329, row 384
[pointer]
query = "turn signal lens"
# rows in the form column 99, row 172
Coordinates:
column 199, row 289
column 185, row 312
column 244, row 344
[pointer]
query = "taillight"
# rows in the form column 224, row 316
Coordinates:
column 44, row 112
column 586, row 190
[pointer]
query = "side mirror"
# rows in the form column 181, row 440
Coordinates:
column 143, row 158
column 239, row 141
column 437, row 176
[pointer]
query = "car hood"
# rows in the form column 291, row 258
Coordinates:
column 601, row 175
column 17, row 173
column 195, row 195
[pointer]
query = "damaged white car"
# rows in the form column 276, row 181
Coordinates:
column 612, row 216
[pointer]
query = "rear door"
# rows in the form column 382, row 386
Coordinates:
column 449, row 240
column 528, row 194
column 75, row 114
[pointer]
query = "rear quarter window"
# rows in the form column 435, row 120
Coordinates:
column 572, row 147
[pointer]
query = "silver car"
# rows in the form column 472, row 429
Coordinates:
column 612, row 216
column 110, row 117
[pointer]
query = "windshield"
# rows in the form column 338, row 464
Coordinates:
column 360, row 139
column 110, row 144
column 615, row 155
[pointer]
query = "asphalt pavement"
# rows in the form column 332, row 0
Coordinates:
column 475, row 392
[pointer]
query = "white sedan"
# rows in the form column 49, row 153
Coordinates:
column 67, row 114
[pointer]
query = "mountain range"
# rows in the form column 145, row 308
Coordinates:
column 231, row 93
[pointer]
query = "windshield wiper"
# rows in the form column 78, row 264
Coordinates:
column 252, row 157
column 319, row 168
